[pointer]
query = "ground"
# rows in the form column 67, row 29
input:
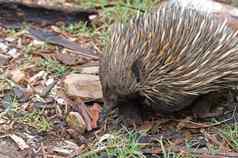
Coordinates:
column 49, row 86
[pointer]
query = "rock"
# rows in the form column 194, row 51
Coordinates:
column 49, row 81
column 3, row 47
column 36, row 42
column 83, row 86
column 76, row 122
column 90, row 70
column 4, row 59
column 60, row 101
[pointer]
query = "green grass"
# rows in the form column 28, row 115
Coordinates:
column 124, row 10
column 124, row 144
column 230, row 132
column 79, row 29
column 10, row 104
column 118, row 144
column 140, row 4
column 53, row 66
column 36, row 120
column 121, row 11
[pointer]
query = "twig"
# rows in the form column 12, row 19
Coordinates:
column 200, row 125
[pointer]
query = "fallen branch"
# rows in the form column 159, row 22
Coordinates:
column 54, row 38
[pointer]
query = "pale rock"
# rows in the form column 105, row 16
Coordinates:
column 83, row 85
column 60, row 101
column 13, row 53
column 3, row 47
column 49, row 81
column 90, row 70
column 36, row 42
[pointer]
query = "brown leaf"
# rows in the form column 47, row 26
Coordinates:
column 95, row 114
column 83, row 110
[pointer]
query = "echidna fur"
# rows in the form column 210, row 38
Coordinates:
column 166, row 58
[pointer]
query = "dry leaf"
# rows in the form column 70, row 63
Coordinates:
column 19, row 141
column 95, row 114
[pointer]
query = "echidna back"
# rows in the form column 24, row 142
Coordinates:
column 169, row 57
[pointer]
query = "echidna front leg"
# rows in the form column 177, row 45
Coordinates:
column 207, row 106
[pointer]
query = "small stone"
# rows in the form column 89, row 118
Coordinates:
column 13, row 53
column 37, row 42
column 83, row 86
column 60, row 101
column 3, row 47
column 49, row 81
column 76, row 122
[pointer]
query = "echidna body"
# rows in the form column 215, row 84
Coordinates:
column 167, row 58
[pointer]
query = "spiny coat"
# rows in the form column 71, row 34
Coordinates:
column 165, row 59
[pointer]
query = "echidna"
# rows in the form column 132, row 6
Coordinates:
column 167, row 58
